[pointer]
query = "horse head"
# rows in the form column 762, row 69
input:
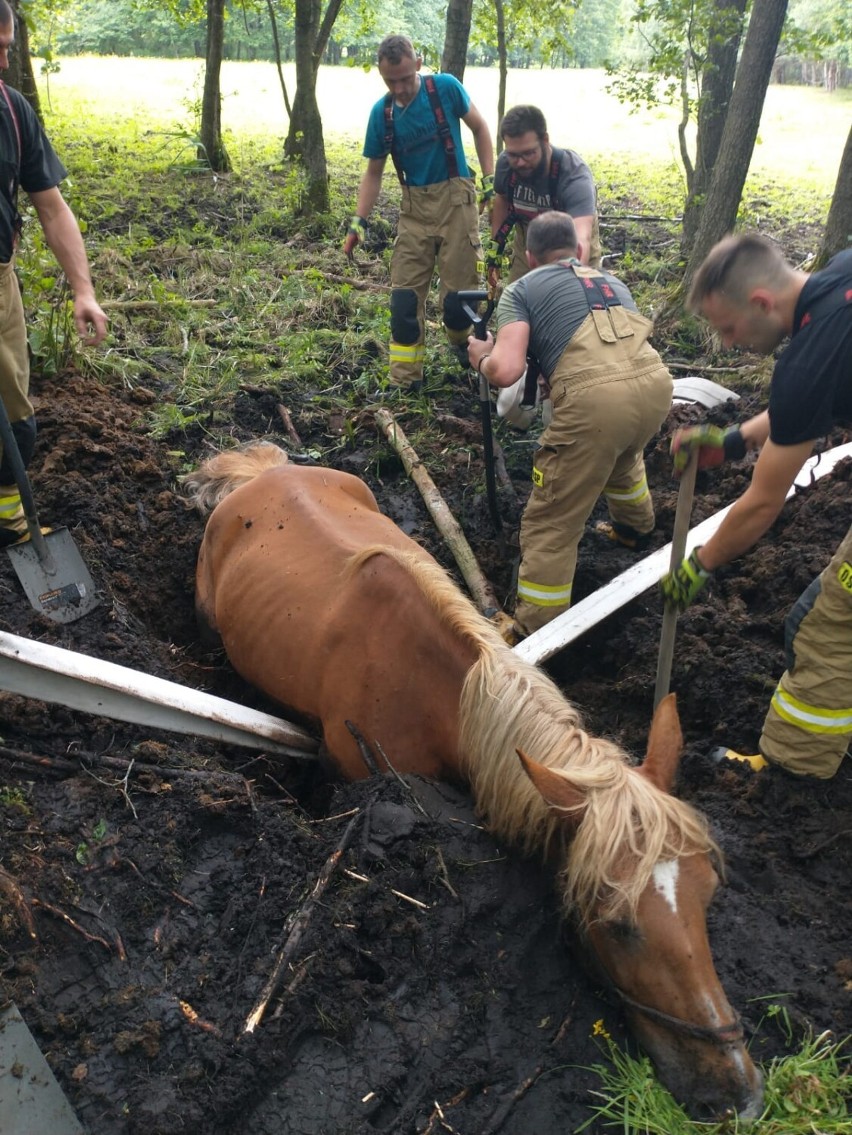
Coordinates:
column 646, row 930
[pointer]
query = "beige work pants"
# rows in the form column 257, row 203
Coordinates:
column 808, row 728
column 609, row 399
column 437, row 224
column 14, row 355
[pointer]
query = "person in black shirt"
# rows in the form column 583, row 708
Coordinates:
column 755, row 299
column 28, row 162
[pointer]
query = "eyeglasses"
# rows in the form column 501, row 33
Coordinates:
column 523, row 155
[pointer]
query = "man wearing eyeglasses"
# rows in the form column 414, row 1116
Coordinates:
column 28, row 162
column 534, row 177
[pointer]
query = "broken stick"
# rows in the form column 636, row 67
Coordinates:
column 448, row 526
column 297, row 924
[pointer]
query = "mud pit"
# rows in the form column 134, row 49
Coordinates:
column 161, row 898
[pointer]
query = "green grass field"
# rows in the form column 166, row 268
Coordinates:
column 801, row 139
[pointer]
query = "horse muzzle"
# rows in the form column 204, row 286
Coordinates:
column 713, row 1077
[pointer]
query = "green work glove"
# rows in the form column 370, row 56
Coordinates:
column 486, row 190
column 356, row 232
column 713, row 443
column 681, row 586
column 494, row 257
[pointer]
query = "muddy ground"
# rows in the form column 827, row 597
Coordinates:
column 442, row 995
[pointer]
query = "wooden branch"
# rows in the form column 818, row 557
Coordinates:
column 15, row 895
column 708, row 370
column 154, row 305
column 481, row 590
column 297, row 924
column 364, row 749
column 116, row 943
column 288, row 426
column 354, row 281
column 61, row 764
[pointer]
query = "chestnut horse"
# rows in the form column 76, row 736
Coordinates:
column 326, row 606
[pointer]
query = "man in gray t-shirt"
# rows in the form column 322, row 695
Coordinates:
column 533, row 177
column 610, row 393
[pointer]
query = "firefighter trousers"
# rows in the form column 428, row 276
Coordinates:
column 437, row 224
column 808, row 728
column 593, row 445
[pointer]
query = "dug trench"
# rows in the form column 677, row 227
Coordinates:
column 150, row 880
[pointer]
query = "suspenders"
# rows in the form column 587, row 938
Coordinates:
column 502, row 234
column 444, row 132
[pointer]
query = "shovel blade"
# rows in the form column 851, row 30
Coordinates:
column 58, row 586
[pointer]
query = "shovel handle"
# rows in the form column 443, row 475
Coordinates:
column 683, row 514
column 13, row 454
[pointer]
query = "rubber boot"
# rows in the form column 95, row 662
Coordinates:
column 755, row 762
column 623, row 534
column 13, row 523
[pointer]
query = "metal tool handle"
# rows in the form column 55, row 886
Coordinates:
column 480, row 330
column 683, row 514
column 13, row 453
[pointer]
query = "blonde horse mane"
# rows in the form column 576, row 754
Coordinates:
column 628, row 823
column 212, row 481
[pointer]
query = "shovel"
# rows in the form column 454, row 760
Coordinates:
column 683, row 512
column 480, row 327
column 49, row 566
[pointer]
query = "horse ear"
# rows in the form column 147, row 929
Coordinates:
column 555, row 790
column 665, row 745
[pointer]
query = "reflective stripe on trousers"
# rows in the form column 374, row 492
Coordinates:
column 635, row 493
column 808, row 728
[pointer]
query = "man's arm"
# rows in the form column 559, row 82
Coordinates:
column 481, row 140
column 499, row 212
column 755, row 511
column 583, row 227
column 507, row 357
column 368, row 195
column 371, row 184
column 63, row 236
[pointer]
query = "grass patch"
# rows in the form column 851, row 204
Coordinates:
column 213, row 283
column 806, row 1093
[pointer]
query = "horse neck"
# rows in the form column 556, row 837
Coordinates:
column 507, row 704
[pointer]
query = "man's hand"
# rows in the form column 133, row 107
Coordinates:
column 714, row 445
column 89, row 319
column 681, row 586
column 354, row 234
column 478, row 348
column 486, row 192
column 495, row 262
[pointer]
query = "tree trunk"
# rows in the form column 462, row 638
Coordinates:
column 838, row 227
column 740, row 131
column 305, row 141
column 504, row 67
column 20, row 74
column 212, row 149
column 717, row 84
column 456, row 37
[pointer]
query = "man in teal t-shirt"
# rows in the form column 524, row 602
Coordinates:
column 418, row 125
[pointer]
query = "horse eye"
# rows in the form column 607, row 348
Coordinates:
column 623, row 931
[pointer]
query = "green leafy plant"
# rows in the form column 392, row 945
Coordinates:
column 806, row 1092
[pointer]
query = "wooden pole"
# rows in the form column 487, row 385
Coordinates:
column 683, row 512
column 448, row 526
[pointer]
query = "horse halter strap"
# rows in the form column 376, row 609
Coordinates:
column 719, row 1034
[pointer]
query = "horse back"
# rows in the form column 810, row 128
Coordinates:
column 335, row 644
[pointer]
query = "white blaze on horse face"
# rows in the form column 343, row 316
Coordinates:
column 665, row 880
